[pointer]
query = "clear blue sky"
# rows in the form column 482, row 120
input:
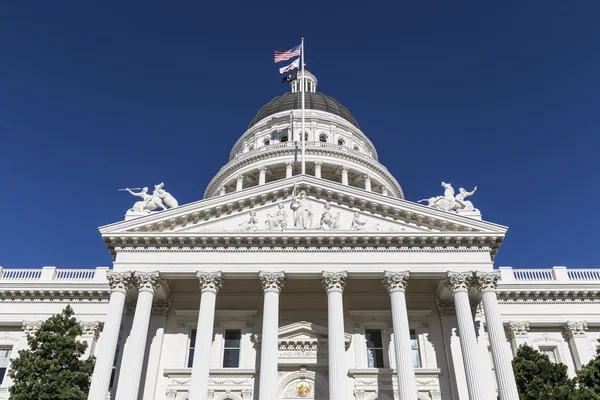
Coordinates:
column 96, row 96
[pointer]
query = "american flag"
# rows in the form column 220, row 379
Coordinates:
column 286, row 55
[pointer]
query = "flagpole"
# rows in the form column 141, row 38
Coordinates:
column 303, row 88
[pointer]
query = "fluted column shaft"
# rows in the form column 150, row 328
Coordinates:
column 505, row 376
column 131, row 373
column 119, row 284
column 272, row 284
column 334, row 283
column 460, row 283
column 395, row 283
column 210, row 283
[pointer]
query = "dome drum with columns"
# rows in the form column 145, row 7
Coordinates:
column 328, row 285
column 336, row 148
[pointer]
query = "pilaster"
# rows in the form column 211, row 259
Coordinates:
column 576, row 334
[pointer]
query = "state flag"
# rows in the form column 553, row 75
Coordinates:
column 291, row 67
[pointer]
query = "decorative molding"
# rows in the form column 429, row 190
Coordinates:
column 211, row 281
column 575, row 329
column 334, row 281
column 544, row 296
column 395, row 281
column 272, row 281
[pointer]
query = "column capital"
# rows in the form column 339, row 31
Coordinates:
column 31, row 327
column 271, row 281
column 459, row 281
column 262, row 169
column 334, row 281
column 486, row 281
column 367, row 177
column 91, row 328
column 575, row 329
column 147, row 281
column 318, row 163
column 161, row 307
column 395, row 281
column 289, row 164
column 211, row 281
column 240, row 178
column 517, row 328
column 446, row 307
column 344, row 168
column 120, row 281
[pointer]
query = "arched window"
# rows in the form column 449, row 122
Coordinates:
column 251, row 147
column 284, row 138
column 266, row 142
column 323, row 138
column 305, row 136
column 341, row 142
column 356, row 148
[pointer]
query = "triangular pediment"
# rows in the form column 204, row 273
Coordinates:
column 325, row 210
column 302, row 330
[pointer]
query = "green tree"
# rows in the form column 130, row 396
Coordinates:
column 539, row 378
column 52, row 368
column 588, row 377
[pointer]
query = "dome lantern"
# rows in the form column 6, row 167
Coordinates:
column 310, row 79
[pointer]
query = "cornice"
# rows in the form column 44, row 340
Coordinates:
column 553, row 296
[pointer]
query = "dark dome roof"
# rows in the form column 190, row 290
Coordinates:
column 313, row 101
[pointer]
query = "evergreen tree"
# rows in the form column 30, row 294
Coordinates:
column 539, row 378
column 588, row 377
column 52, row 368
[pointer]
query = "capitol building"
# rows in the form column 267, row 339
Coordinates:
column 325, row 285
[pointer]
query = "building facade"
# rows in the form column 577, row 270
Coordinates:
column 324, row 285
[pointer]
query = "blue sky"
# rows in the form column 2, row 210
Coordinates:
column 96, row 96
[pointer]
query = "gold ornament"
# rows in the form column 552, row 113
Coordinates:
column 303, row 389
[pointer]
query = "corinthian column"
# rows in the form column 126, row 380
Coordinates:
column 210, row 283
column 120, row 283
column 133, row 356
column 395, row 283
column 272, row 284
column 487, row 282
column 334, row 283
column 459, row 283
column 344, row 169
column 318, row 168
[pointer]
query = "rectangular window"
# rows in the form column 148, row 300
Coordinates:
column 4, row 360
column 231, row 350
column 191, row 348
column 414, row 349
column 374, row 348
column 114, row 369
column 550, row 352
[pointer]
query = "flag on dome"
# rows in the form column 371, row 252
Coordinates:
column 290, row 78
column 291, row 67
column 286, row 55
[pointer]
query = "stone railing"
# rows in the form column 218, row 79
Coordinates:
column 556, row 275
column 49, row 274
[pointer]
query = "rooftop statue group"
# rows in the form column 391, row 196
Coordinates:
column 451, row 202
column 159, row 198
